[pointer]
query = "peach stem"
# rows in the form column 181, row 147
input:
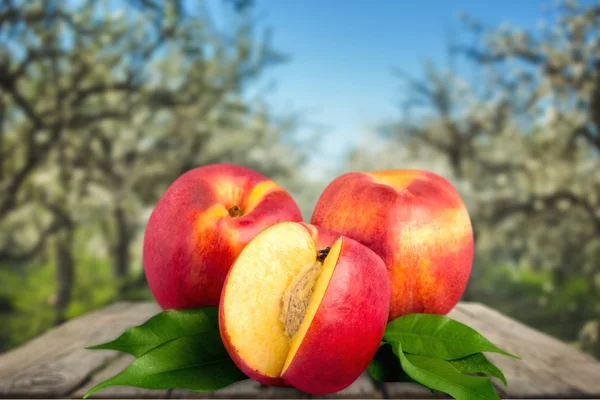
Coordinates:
column 322, row 254
column 235, row 211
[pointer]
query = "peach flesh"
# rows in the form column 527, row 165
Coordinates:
column 263, row 305
column 289, row 313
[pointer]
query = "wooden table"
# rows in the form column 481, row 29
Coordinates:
column 57, row 365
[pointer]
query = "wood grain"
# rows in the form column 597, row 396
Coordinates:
column 363, row 387
column 405, row 390
column 548, row 368
column 111, row 392
column 239, row 390
column 56, row 363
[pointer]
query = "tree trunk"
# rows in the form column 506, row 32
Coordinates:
column 2, row 113
column 121, row 249
column 65, row 273
column 6, row 309
column 597, row 346
column 455, row 158
column 136, row 283
column 593, row 294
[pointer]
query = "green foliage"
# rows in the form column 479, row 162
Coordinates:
column 163, row 327
column 384, row 367
column 184, row 349
column 438, row 353
column 440, row 375
column 530, row 296
column 175, row 349
column 517, row 133
column 101, row 108
column 478, row 364
column 98, row 126
column 434, row 335
column 94, row 286
column 30, row 289
column 199, row 363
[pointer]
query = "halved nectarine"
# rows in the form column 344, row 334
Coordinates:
column 305, row 307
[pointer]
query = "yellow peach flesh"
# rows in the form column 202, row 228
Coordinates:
column 315, row 300
column 257, row 285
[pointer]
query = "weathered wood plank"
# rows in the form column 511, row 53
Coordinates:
column 363, row 387
column 239, row 390
column 112, row 392
column 245, row 389
column 548, row 368
column 405, row 390
column 56, row 363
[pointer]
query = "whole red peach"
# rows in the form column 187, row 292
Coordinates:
column 201, row 224
column 416, row 222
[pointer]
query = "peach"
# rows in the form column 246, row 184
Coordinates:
column 304, row 307
column 201, row 224
column 416, row 222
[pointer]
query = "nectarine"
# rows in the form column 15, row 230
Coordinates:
column 416, row 222
column 304, row 307
column 200, row 225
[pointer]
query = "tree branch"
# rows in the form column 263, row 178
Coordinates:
column 79, row 121
column 13, row 14
column 425, row 138
column 8, row 256
column 529, row 207
column 488, row 57
column 35, row 155
column 33, row 55
column 595, row 108
column 102, row 88
column 586, row 133
column 9, row 86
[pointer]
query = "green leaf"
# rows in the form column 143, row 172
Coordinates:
column 385, row 366
column 165, row 326
column 437, row 336
column 198, row 362
column 441, row 375
column 478, row 363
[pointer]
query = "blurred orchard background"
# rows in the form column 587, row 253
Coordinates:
column 103, row 103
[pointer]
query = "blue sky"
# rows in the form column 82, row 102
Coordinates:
column 342, row 54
